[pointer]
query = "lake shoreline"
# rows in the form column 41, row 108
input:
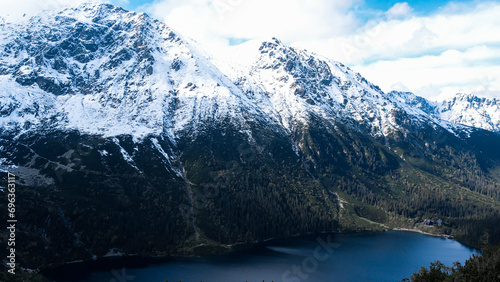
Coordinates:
column 297, row 251
column 221, row 250
column 225, row 249
column 425, row 233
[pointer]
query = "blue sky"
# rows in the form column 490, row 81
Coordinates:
column 420, row 6
column 432, row 48
column 133, row 4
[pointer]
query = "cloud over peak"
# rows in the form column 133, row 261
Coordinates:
column 399, row 10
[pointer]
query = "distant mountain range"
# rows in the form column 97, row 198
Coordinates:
column 127, row 136
column 465, row 109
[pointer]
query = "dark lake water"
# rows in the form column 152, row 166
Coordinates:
column 367, row 256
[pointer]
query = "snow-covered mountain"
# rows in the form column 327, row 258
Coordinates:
column 102, row 70
column 471, row 110
column 465, row 109
column 292, row 85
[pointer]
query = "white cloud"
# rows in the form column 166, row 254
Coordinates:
column 440, row 76
column 215, row 21
column 399, row 10
column 23, row 9
column 432, row 56
column 415, row 36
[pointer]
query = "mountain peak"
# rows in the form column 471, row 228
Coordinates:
column 89, row 60
column 94, row 7
column 272, row 45
column 83, row 12
column 273, row 41
column 469, row 97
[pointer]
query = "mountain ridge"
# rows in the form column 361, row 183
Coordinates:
column 80, row 58
column 465, row 109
